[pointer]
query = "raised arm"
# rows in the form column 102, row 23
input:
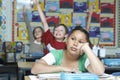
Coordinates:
column 30, row 35
column 42, row 16
column 89, row 18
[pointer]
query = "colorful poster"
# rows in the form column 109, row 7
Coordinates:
column 35, row 16
column 79, row 20
column 95, row 17
column 107, row 22
column 66, row 19
column 73, row 13
column 80, row 6
column 23, row 33
column 52, row 20
column 42, row 4
column 94, row 31
column 107, row 37
column 52, row 6
column 107, row 8
column 20, row 17
column 66, row 3
column 96, row 4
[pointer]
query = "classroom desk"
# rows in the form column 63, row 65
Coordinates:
column 28, row 65
column 108, row 78
column 25, row 67
column 9, row 68
column 26, row 78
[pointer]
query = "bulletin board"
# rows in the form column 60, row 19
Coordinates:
column 0, row 15
column 71, row 13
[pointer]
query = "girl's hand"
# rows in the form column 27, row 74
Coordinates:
column 90, row 10
column 24, row 11
column 84, row 47
column 69, row 69
column 35, row 1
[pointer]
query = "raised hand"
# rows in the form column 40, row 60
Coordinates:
column 35, row 1
column 91, row 9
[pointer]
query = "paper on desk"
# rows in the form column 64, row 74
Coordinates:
column 105, row 75
column 33, row 77
column 49, row 76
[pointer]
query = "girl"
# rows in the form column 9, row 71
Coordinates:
column 77, row 56
column 36, row 45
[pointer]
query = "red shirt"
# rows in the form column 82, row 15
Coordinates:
column 51, row 43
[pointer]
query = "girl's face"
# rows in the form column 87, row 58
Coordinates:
column 74, row 42
column 59, row 32
column 38, row 33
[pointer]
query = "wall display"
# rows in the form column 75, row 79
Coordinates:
column 118, row 24
column 72, row 13
column 5, row 15
column 52, row 6
column 0, row 18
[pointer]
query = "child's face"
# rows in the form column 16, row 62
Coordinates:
column 38, row 33
column 74, row 42
column 59, row 32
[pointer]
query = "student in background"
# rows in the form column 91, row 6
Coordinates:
column 55, row 40
column 36, row 45
column 77, row 56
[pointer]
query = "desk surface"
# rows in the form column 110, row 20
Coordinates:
column 108, row 78
column 25, row 64
column 27, row 78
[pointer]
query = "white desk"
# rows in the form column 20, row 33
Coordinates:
column 25, row 67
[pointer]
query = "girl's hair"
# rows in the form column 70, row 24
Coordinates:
column 65, row 27
column 35, row 29
column 84, row 31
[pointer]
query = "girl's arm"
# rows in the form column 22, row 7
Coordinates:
column 95, row 66
column 45, row 65
column 42, row 16
column 42, row 67
column 89, row 18
column 30, row 35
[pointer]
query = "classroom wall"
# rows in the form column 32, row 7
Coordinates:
column 7, row 32
column 6, row 26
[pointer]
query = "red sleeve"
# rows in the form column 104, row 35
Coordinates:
column 47, row 37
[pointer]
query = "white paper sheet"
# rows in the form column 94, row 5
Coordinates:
column 49, row 76
column 33, row 77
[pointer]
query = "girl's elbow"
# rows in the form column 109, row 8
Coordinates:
column 33, row 71
column 101, row 71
